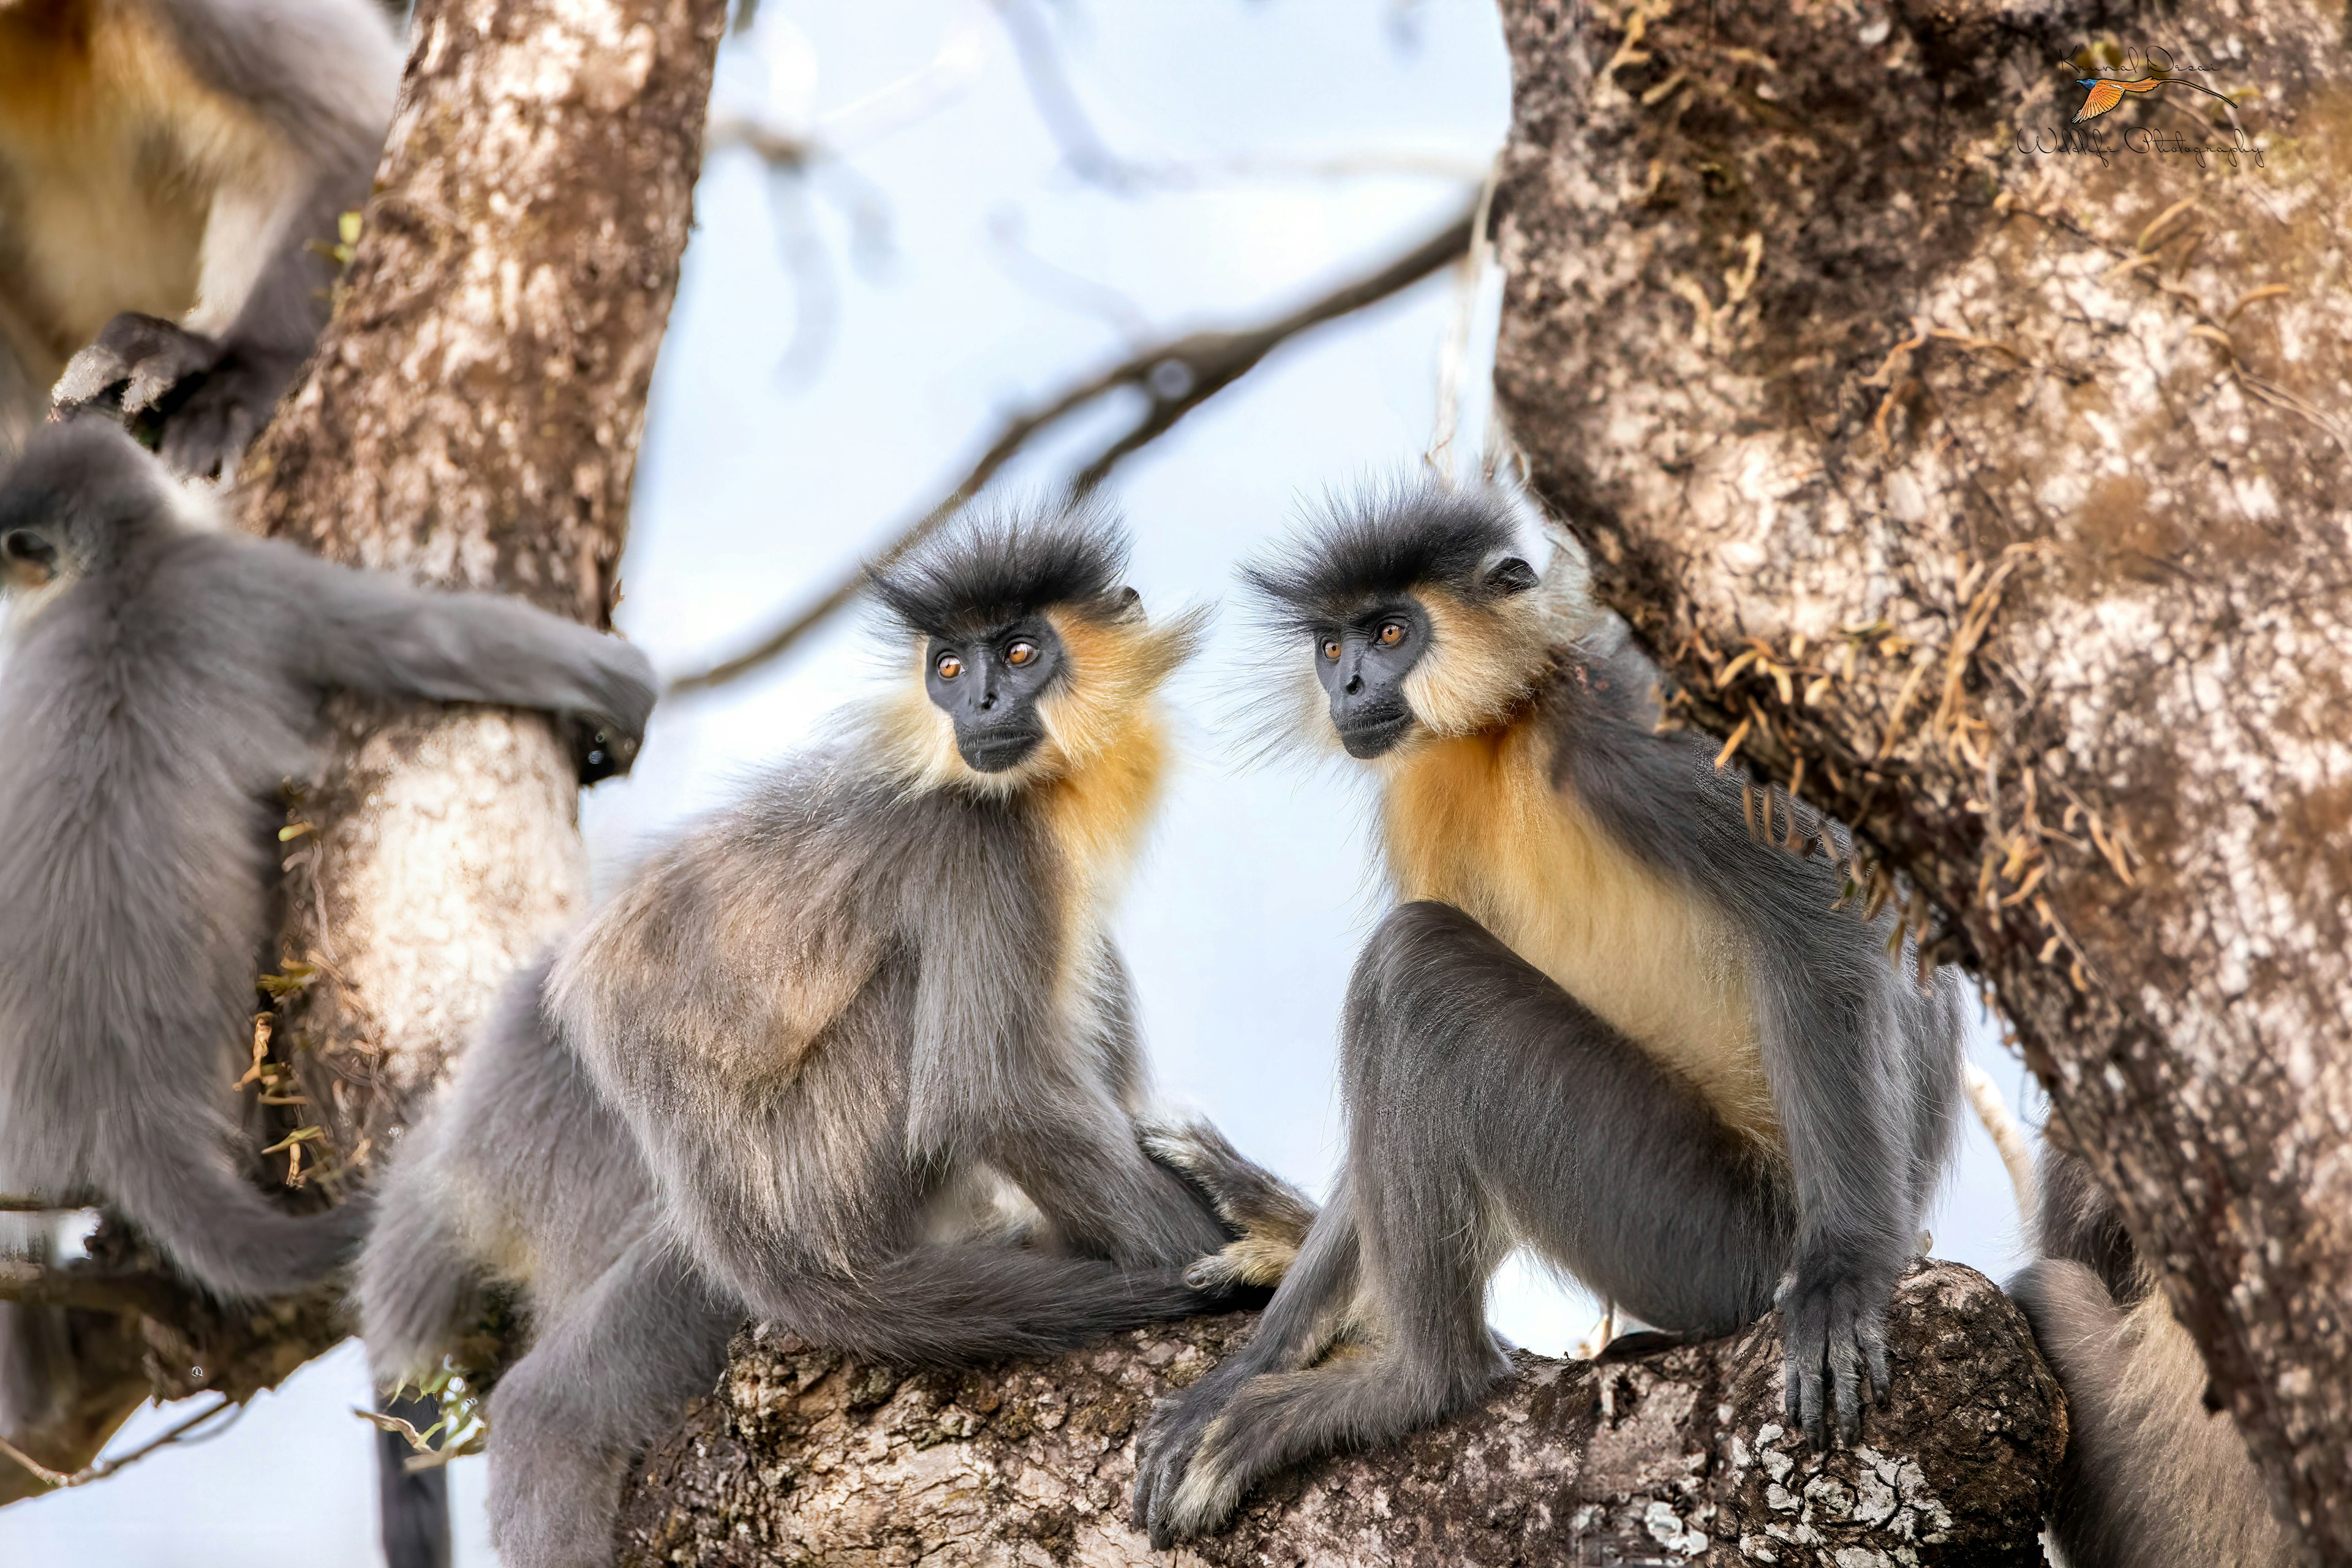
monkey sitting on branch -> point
(856, 1057)
(172, 177)
(164, 680)
(1607, 1020)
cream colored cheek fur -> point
(1479, 665)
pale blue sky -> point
(762, 479)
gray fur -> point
(1488, 1107)
(314, 80)
(848, 1093)
(157, 695)
(2150, 1476)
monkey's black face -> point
(990, 685)
(1362, 663)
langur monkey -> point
(163, 679)
(2150, 1476)
(171, 173)
(1605, 1020)
(855, 1055)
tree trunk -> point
(1985, 473)
(801, 1457)
(471, 421)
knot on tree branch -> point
(801, 1456)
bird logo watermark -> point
(2109, 73)
(2106, 92)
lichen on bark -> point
(802, 1458)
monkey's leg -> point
(1308, 1313)
(1486, 1104)
(601, 1380)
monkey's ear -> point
(22, 544)
(1510, 575)
(1130, 603)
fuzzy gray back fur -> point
(156, 700)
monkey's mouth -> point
(995, 751)
(1372, 737)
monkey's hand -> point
(1266, 1218)
(209, 398)
(605, 740)
(1833, 1330)
(601, 748)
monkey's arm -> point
(1862, 1072)
(366, 632)
(999, 1069)
(312, 82)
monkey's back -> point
(144, 727)
(764, 968)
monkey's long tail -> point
(222, 1233)
(419, 1285)
(953, 1305)
(2150, 1476)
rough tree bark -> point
(1990, 474)
(471, 421)
(800, 1458)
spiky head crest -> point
(1387, 542)
(1461, 553)
(986, 568)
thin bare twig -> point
(1992, 1109)
(23, 1202)
(1050, 89)
(1177, 376)
(105, 1468)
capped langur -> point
(1606, 1020)
(2149, 1475)
(163, 679)
(855, 1055)
(171, 176)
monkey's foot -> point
(1165, 1452)
(208, 398)
(1267, 1217)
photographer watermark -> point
(2118, 73)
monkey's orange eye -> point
(1020, 653)
(1392, 633)
(949, 667)
(1331, 649)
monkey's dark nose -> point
(1355, 684)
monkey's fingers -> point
(141, 357)
(1251, 1200)
(1255, 1260)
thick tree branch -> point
(1175, 377)
(1980, 475)
(1682, 1457)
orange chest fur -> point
(1474, 821)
